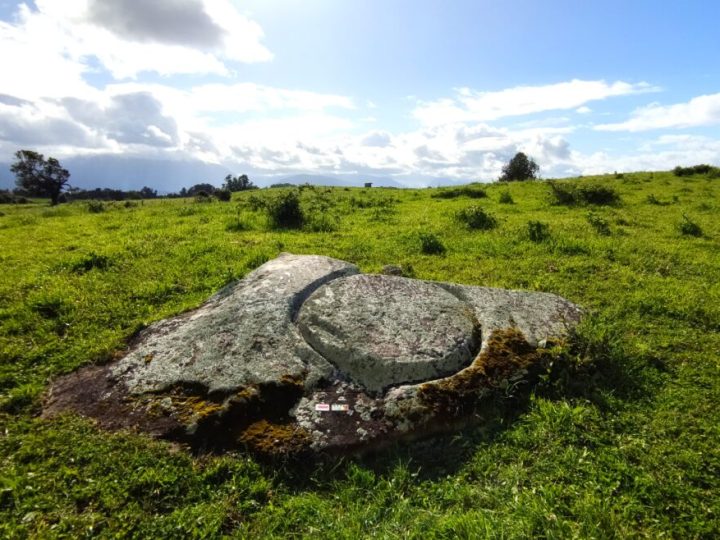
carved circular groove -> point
(385, 330)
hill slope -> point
(619, 441)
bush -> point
(506, 198)
(202, 197)
(95, 207)
(563, 194)
(430, 244)
(599, 195)
(695, 169)
(689, 228)
(599, 223)
(256, 203)
(475, 217)
(8, 197)
(567, 194)
(538, 231)
(223, 195)
(464, 191)
(284, 211)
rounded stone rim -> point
(395, 349)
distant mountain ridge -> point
(339, 180)
(171, 175)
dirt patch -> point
(93, 392)
(186, 414)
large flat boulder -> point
(307, 355)
(242, 336)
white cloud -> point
(583, 110)
(31, 68)
(699, 111)
(126, 37)
(379, 139)
(472, 106)
(245, 97)
(173, 22)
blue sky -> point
(417, 90)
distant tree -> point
(238, 183)
(520, 167)
(208, 189)
(183, 193)
(39, 176)
(148, 193)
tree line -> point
(37, 176)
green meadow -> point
(622, 442)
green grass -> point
(624, 444)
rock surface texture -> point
(308, 355)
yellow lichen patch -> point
(194, 408)
(246, 394)
(292, 380)
(507, 355)
(274, 439)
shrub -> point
(284, 211)
(475, 217)
(223, 195)
(567, 194)
(599, 223)
(430, 244)
(689, 228)
(695, 169)
(538, 231)
(360, 203)
(8, 197)
(202, 197)
(464, 191)
(562, 194)
(506, 198)
(599, 195)
(256, 203)
(95, 207)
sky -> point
(415, 90)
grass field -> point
(627, 444)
